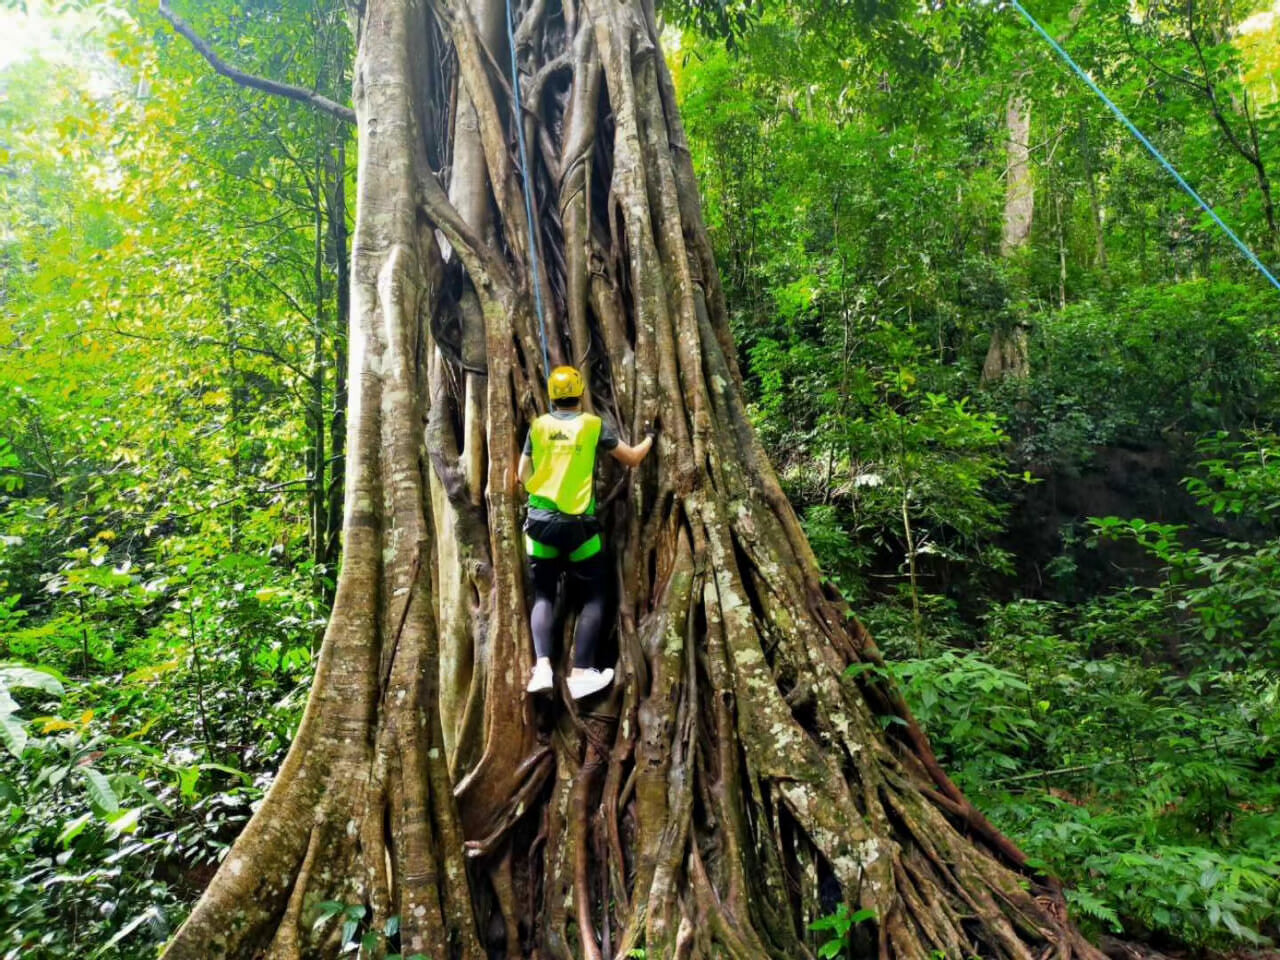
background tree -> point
(1007, 355)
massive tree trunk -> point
(734, 784)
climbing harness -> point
(527, 189)
(1249, 254)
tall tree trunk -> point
(317, 412)
(1019, 190)
(1097, 214)
(733, 781)
(339, 260)
(1007, 353)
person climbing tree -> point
(562, 534)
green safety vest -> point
(564, 462)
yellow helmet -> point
(564, 382)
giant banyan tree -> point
(736, 783)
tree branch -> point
(286, 90)
(258, 491)
(1211, 92)
(1151, 62)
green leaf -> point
(327, 909)
(13, 733)
(151, 913)
(31, 679)
(223, 768)
(188, 777)
(855, 670)
(73, 828)
(134, 784)
(349, 928)
(100, 792)
(152, 672)
(124, 822)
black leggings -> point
(586, 583)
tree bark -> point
(733, 785)
(1019, 191)
(1007, 353)
(1097, 214)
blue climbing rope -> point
(527, 189)
(1252, 257)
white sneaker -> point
(541, 680)
(583, 683)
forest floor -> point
(1129, 950)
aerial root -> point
(375, 855)
(943, 871)
(934, 916)
(686, 936)
(616, 795)
(533, 775)
(583, 786)
(502, 876)
(737, 937)
(285, 945)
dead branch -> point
(274, 87)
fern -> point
(1092, 906)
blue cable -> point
(528, 192)
(1253, 258)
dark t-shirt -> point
(608, 439)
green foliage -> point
(172, 367)
(1159, 364)
(356, 934)
(1129, 743)
(897, 470)
(1127, 878)
(842, 557)
(12, 729)
(1219, 593)
(838, 926)
(1153, 793)
(726, 19)
(113, 823)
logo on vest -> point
(559, 435)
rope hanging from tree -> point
(527, 189)
(1151, 147)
